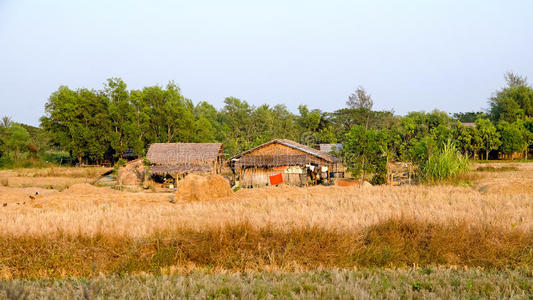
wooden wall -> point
(261, 177)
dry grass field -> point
(501, 199)
(483, 220)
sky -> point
(409, 55)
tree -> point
(360, 99)
(119, 111)
(78, 122)
(17, 141)
(204, 131)
(514, 102)
(462, 138)
(467, 117)
(362, 149)
(6, 122)
(527, 132)
(512, 138)
(489, 137)
(237, 124)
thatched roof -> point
(308, 155)
(183, 153)
(181, 169)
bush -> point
(378, 179)
(446, 163)
(57, 157)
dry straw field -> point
(483, 220)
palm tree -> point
(6, 122)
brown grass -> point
(86, 230)
(500, 199)
(58, 178)
(393, 243)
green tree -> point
(78, 122)
(512, 138)
(119, 112)
(237, 125)
(467, 117)
(462, 138)
(360, 99)
(488, 135)
(514, 102)
(17, 141)
(362, 149)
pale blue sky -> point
(410, 55)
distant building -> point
(330, 148)
(286, 160)
(469, 124)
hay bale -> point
(202, 188)
(131, 174)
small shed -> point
(297, 164)
(179, 159)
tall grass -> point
(446, 163)
(393, 243)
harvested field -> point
(92, 231)
(501, 199)
(56, 178)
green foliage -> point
(364, 151)
(513, 137)
(514, 102)
(489, 138)
(446, 163)
(99, 126)
(467, 117)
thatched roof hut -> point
(281, 152)
(181, 158)
(288, 159)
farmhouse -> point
(281, 161)
(175, 160)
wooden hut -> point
(175, 160)
(297, 164)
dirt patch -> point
(202, 188)
(8, 195)
(351, 182)
(87, 189)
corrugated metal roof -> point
(328, 148)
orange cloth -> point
(276, 179)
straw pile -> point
(202, 188)
(131, 174)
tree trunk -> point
(486, 154)
(362, 173)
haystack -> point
(202, 188)
(131, 174)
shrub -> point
(120, 163)
(446, 163)
(378, 179)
